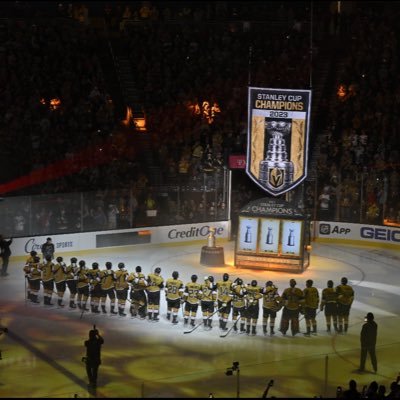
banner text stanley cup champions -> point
(277, 138)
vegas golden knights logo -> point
(277, 140)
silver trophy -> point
(276, 171)
(290, 241)
(247, 235)
(269, 237)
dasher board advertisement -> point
(248, 234)
(277, 138)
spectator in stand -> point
(352, 393)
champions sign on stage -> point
(277, 144)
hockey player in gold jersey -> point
(35, 276)
(71, 280)
(208, 298)
(46, 268)
(292, 298)
(174, 293)
(59, 279)
(82, 285)
(271, 305)
(94, 276)
(253, 296)
(239, 304)
(138, 293)
(155, 284)
(329, 306)
(224, 297)
(310, 306)
(27, 271)
(191, 296)
(121, 287)
(345, 299)
(107, 288)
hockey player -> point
(121, 288)
(345, 299)
(208, 298)
(224, 296)
(94, 276)
(155, 284)
(310, 306)
(71, 279)
(35, 277)
(82, 285)
(292, 298)
(27, 271)
(138, 293)
(174, 292)
(271, 305)
(59, 279)
(48, 280)
(253, 296)
(107, 288)
(329, 306)
(239, 304)
(191, 297)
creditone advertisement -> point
(383, 236)
(76, 242)
(277, 138)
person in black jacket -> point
(368, 336)
(48, 249)
(5, 254)
(93, 355)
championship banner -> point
(277, 138)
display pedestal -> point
(212, 255)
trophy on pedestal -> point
(211, 238)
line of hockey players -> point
(222, 297)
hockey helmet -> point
(33, 253)
(293, 283)
(194, 278)
(82, 263)
(344, 281)
(36, 259)
(157, 270)
(95, 265)
(175, 274)
(138, 268)
(330, 283)
(59, 259)
(239, 281)
(225, 277)
(121, 265)
(74, 260)
(269, 283)
(48, 258)
(108, 265)
(253, 282)
(309, 282)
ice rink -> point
(41, 353)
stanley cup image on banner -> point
(277, 138)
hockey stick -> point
(201, 323)
(230, 329)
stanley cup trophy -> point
(276, 171)
(211, 254)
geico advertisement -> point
(371, 233)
